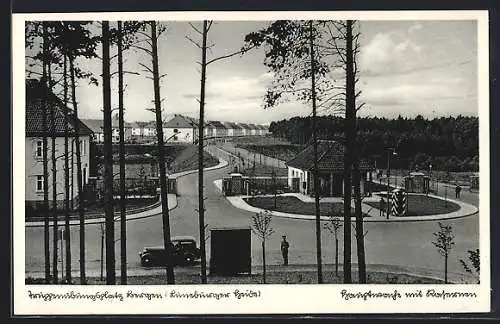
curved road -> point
(406, 244)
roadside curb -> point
(138, 215)
(464, 211)
(153, 210)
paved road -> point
(401, 244)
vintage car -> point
(184, 252)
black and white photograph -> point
(259, 160)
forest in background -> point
(448, 143)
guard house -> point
(474, 182)
(330, 167)
(417, 182)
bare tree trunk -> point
(161, 156)
(108, 159)
(123, 216)
(348, 157)
(54, 186)
(352, 142)
(45, 158)
(66, 173)
(201, 204)
(446, 268)
(79, 180)
(360, 237)
(315, 145)
(263, 261)
(336, 256)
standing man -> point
(382, 206)
(457, 191)
(284, 250)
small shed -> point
(230, 251)
(417, 182)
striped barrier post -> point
(398, 202)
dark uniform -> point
(284, 250)
(383, 206)
(457, 191)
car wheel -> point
(189, 259)
(146, 261)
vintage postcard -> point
(251, 163)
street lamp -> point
(389, 150)
(430, 178)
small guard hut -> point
(417, 182)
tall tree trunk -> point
(446, 268)
(360, 237)
(79, 180)
(348, 156)
(54, 185)
(201, 204)
(263, 261)
(108, 159)
(315, 145)
(336, 256)
(351, 94)
(161, 156)
(123, 216)
(66, 173)
(46, 229)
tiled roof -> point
(245, 126)
(228, 125)
(94, 124)
(180, 121)
(115, 122)
(140, 124)
(34, 113)
(330, 158)
(217, 124)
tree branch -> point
(196, 29)
(192, 41)
(241, 51)
(148, 69)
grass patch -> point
(178, 158)
(272, 277)
(376, 187)
(261, 170)
(92, 210)
(284, 152)
(187, 159)
(293, 205)
(421, 205)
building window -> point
(39, 148)
(82, 148)
(39, 183)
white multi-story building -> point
(34, 178)
(180, 129)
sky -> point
(407, 68)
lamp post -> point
(389, 150)
(430, 178)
